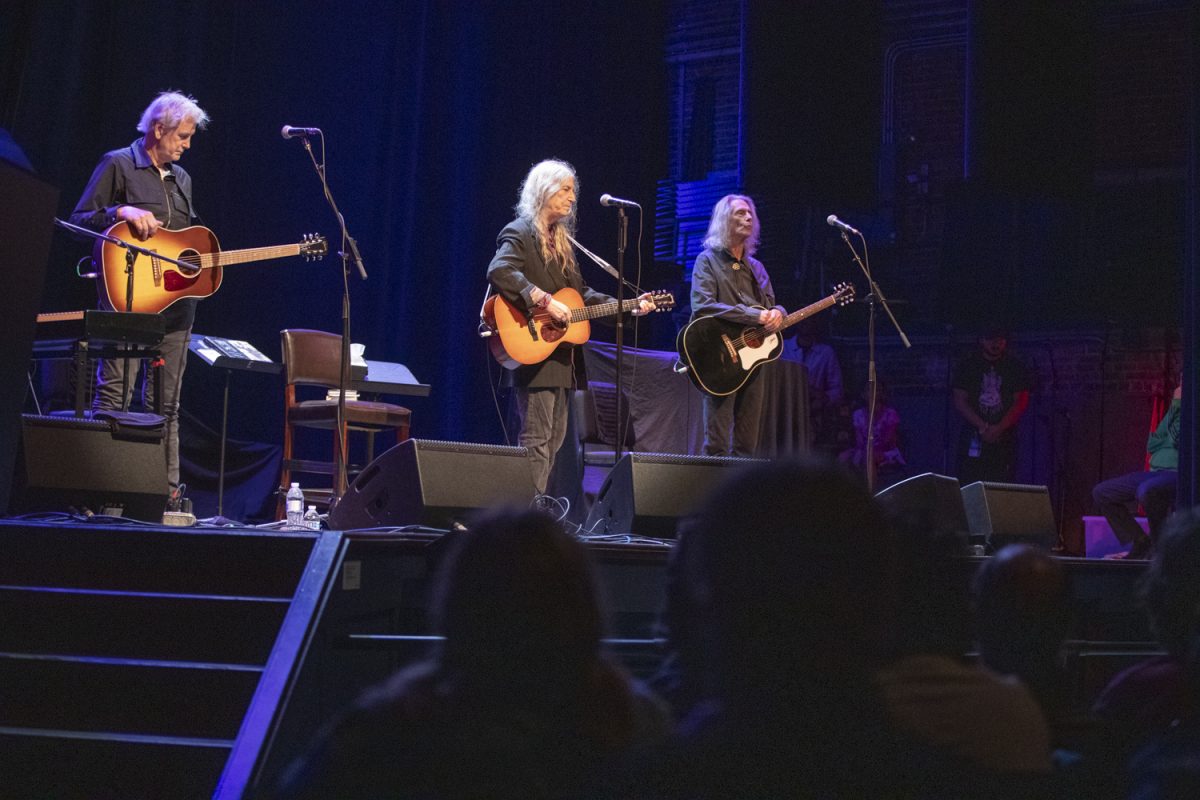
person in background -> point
(781, 633)
(991, 393)
(1157, 702)
(1023, 614)
(1153, 489)
(820, 361)
(890, 465)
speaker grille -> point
(436, 445)
(675, 458)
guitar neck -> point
(799, 314)
(223, 258)
(758, 332)
(602, 310)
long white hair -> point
(171, 109)
(721, 225)
(544, 179)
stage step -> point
(129, 656)
(115, 766)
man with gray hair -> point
(143, 186)
(728, 282)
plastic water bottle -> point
(295, 508)
(312, 520)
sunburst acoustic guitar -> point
(157, 283)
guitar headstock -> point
(663, 301)
(313, 247)
(843, 293)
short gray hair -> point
(171, 108)
(721, 224)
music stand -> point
(229, 355)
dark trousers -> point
(110, 378)
(997, 461)
(1154, 491)
(542, 416)
(732, 423)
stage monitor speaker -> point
(1008, 513)
(927, 499)
(68, 463)
(432, 483)
(647, 493)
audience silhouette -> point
(518, 701)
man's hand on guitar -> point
(142, 223)
(645, 305)
(771, 319)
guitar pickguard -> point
(755, 352)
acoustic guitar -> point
(518, 339)
(720, 355)
(157, 284)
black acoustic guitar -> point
(720, 355)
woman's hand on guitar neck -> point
(142, 223)
(645, 305)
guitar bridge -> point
(532, 328)
(729, 346)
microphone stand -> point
(132, 251)
(874, 293)
(349, 251)
(622, 235)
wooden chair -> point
(313, 358)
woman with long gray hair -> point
(534, 260)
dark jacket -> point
(719, 289)
(127, 177)
(516, 269)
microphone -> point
(288, 132)
(837, 223)
(609, 200)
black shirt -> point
(127, 177)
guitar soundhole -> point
(552, 332)
(753, 339)
(177, 278)
(188, 256)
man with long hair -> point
(533, 260)
(727, 281)
(143, 186)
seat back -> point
(599, 403)
(311, 357)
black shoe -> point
(1140, 551)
